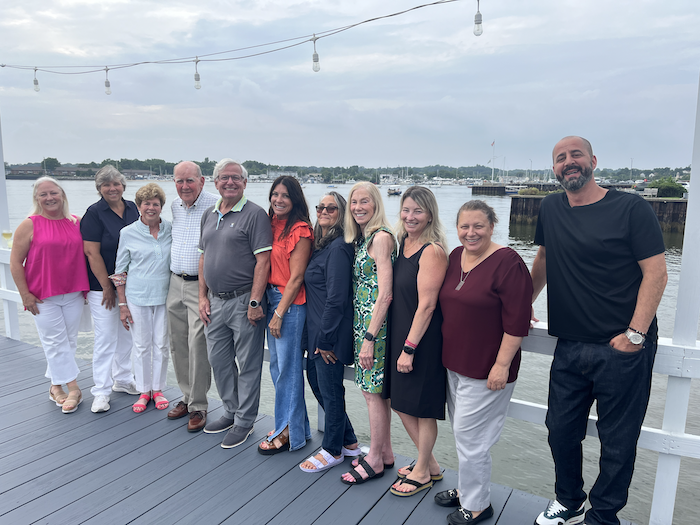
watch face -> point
(634, 337)
(254, 303)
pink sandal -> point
(163, 403)
(140, 407)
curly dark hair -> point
(300, 210)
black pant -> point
(620, 382)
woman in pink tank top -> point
(48, 267)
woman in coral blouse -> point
(286, 314)
(48, 267)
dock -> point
(119, 467)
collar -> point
(145, 229)
(238, 207)
(194, 204)
(104, 205)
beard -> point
(579, 182)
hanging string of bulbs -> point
(251, 51)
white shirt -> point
(186, 228)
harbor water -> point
(521, 459)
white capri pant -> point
(111, 356)
(151, 345)
(478, 415)
(57, 323)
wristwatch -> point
(254, 304)
(370, 337)
(635, 336)
(408, 350)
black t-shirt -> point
(593, 276)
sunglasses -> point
(329, 209)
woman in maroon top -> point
(485, 317)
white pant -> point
(57, 322)
(111, 356)
(478, 415)
(150, 351)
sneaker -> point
(463, 516)
(236, 436)
(127, 388)
(100, 404)
(221, 424)
(558, 514)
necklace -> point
(462, 276)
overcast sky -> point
(417, 89)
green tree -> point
(668, 188)
(51, 163)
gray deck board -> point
(119, 467)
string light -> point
(197, 83)
(478, 26)
(314, 58)
(281, 45)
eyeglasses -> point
(234, 178)
(329, 209)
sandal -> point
(402, 475)
(359, 480)
(139, 407)
(417, 484)
(280, 444)
(356, 462)
(70, 404)
(59, 397)
(161, 404)
(320, 466)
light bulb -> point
(316, 64)
(197, 83)
(478, 26)
(108, 91)
(36, 85)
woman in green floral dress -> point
(366, 225)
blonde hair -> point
(148, 192)
(434, 233)
(353, 232)
(36, 207)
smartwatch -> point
(635, 337)
(370, 337)
(408, 350)
(254, 304)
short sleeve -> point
(300, 230)
(91, 227)
(646, 238)
(261, 232)
(514, 286)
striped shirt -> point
(186, 229)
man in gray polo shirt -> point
(188, 346)
(235, 245)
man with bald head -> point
(188, 345)
(601, 256)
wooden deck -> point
(119, 467)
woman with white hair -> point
(48, 267)
(100, 227)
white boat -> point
(513, 190)
(393, 190)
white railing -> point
(680, 363)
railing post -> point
(684, 333)
(9, 307)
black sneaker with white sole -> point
(558, 514)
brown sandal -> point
(58, 397)
(277, 445)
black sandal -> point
(359, 480)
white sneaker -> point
(100, 404)
(127, 388)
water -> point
(521, 459)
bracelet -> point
(410, 344)
(122, 304)
(278, 315)
(638, 332)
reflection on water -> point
(521, 459)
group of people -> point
(423, 327)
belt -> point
(188, 277)
(225, 296)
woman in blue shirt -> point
(142, 278)
(100, 227)
(328, 281)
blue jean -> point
(620, 382)
(287, 372)
(326, 382)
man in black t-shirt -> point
(602, 257)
